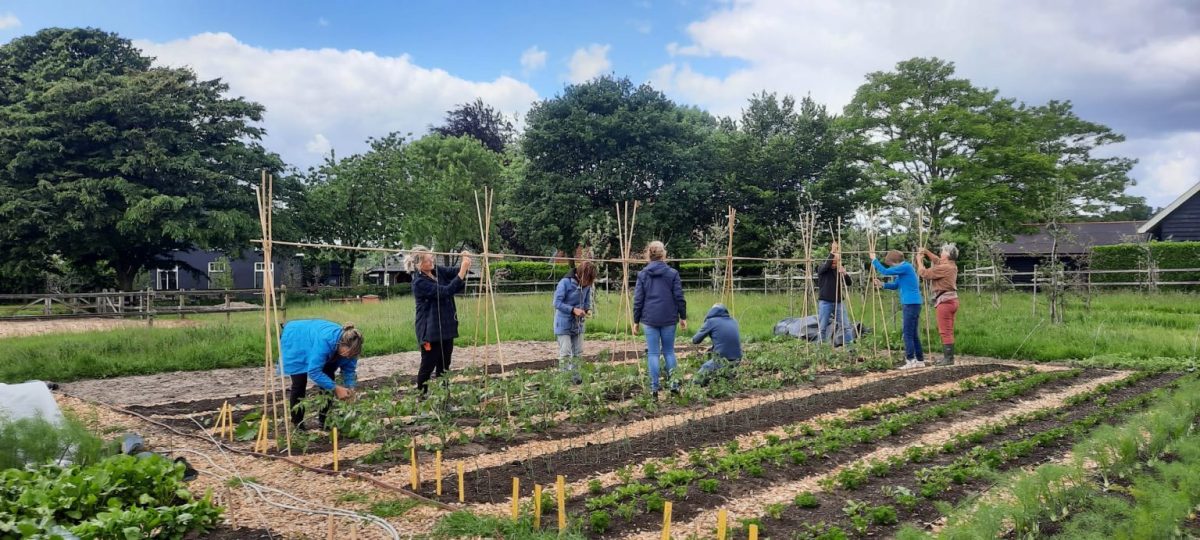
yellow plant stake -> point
(437, 465)
(335, 449)
(462, 496)
(416, 478)
(561, 488)
(666, 535)
(219, 424)
(537, 506)
(516, 497)
(753, 532)
(722, 517)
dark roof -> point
(1162, 214)
(395, 263)
(1078, 239)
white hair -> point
(951, 250)
(412, 261)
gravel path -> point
(228, 383)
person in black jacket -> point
(434, 288)
(832, 284)
(658, 305)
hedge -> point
(1166, 255)
(530, 271)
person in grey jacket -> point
(727, 343)
(658, 305)
(573, 299)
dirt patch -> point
(494, 484)
(10, 329)
(218, 385)
(925, 512)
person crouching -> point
(727, 344)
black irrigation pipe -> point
(285, 459)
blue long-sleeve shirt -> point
(906, 281)
(306, 346)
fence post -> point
(227, 314)
(1035, 279)
(46, 305)
(181, 302)
(283, 300)
(149, 307)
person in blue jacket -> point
(727, 343)
(315, 349)
(434, 288)
(572, 307)
(658, 305)
(910, 299)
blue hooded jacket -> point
(568, 296)
(307, 345)
(906, 281)
(658, 296)
(726, 338)
(437, 316)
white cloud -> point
(334, 97)
(318, 145)
(533, 59)
(8, 20)
(588, 62)
(1099, 53)
(1168, 166)
(322, 21)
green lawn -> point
(1119, 327)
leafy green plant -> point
(806, 499)
(708, 485)
(774, 510)
(595, 487)
(394, 507)
(882, 515)
(36, 441)
(599, 521)
(655, 503)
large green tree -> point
(604, 142)
(963, 157)
(110, 163)
(780, 160)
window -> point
(166, 280)
(258, 273)
(218, 267)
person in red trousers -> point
(942, 275)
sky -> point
(332, 74)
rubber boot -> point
(947, 355)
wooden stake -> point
(722, 516)
(561, 489)
(753, 532)
(666, 529)
(516, 498)
(537, 506)
(335, 449)
(353, 530)
(415, 475)
(437, 467)
(331, 536)
(462, 495)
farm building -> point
(1026, 251)
(199, 269)
(1179, 221)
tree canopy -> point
(110, 163)
(481, 122)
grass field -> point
(1118, 327)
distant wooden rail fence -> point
(147, 304)
(987, 277)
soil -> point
(494, 484)
(734, 488)
(227, 533)
(218, 385)
(925, 513)
(10, 329)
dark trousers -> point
(912, 341)
(300, 389)
(434, 362)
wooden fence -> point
(146, 305)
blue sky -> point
(332, 74)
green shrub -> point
(883, 515)
(35, 441)
(529, 270)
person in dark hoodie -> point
(727, 343)
(832, 284)
(658, 305)
(434, 288)
(572, 306)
